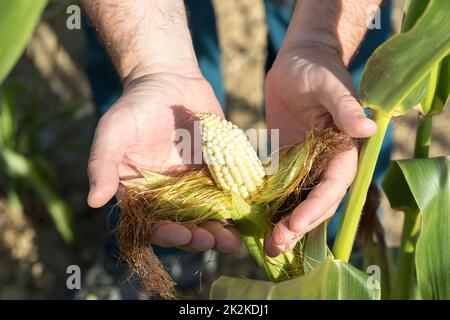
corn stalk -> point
(407, 63)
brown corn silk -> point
(193, 198)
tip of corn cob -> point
(230, 157)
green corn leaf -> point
(392, 74)
(397, 190)
(14, 202)
(427, 105)
(18, 166)
(405, 60)
(422, 96)
(416, 96)
(443, 89)
(424, 184)
(330, 280)
(412, 10)
(18, 20)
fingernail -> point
(277, 238)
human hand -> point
(309, 87)
(137, 132)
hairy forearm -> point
(339, 24)
(144, 36)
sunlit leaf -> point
(332, 279)
(426, 105)
(425, 184)
(397, 67)
(412, 10)
(443, 89)
(7, 118)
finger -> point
(289, 245)
(336, 180)
(227, 239)
(103, 166)
(320, 204)
(347, 113)
(327, 215)
(272, 249)
(168, 234)
(290, 237)
(201, 240)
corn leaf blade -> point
(442, 98)
(405, 60)
(18, 166)
(331, 280)
(18, 20)
(425, 184)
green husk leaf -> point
(316, 249)
(254, 225)
(193, 198)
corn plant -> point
(236, 187)
(24, 165)
(410, 70)
(23, 162)
(18, 19)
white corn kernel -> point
(232, 161)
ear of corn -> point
(234, 187)
(230, 157)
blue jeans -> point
(106, 86)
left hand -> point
(309, 87)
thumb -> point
(103, 167)
(347, 113)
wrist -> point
(339, 25)
(152, 63)
(143, 36)
(168, 51)
(319, 41)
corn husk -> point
(194, 197)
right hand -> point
(137, 133)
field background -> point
(33, 259)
